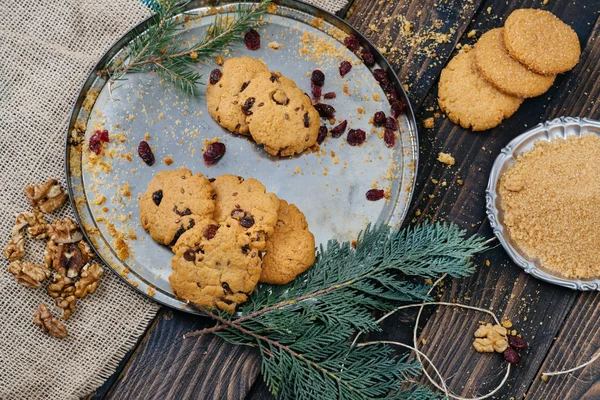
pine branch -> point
(160, 48)
(303, 329)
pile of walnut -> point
(68, 259)
(495, 338)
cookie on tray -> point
(290, 249)
(174, 202)
(224, 95)
(541, 41)
(214, 266)
(280, 116)
(245, 203)
(468, 99)
(503, 71)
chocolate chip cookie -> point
(290, 249)
(245, 203)
(214, 266)
(174, 202)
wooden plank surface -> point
(166, 366)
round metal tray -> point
(329, 186)
(557, 128)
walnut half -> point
(64, 231)
(63, 290)
(15, 248)
(49, 324)
(29, 274)
(47, 197)
(490, 338)
(90, 278)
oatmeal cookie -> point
(225, 97)
(468, 99)
(280, 116)
(214, 266)
(174, 202)
(504, 72)
(290, 249)
(541, 41)
(245, 203)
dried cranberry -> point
(248, 105)
(516, 342)
(317, 77)
(375, 194)
(210, 231)
(247, 221)
(391, 92)
(329, 95)
(145, 153)
(214, 153)
(511, 356)
(339, 130)
(252, 40)
(96, 140)
(316, 90)
(379, 118)
(356, 137)
(391, 123)
(381, 76)
(397, 108)
(352, 43)
(345, 67)
(306, 120)
(325, 110)
(189, 255)
(368, 58)
(389, 138)
(157, 197)
(215, 76)
(322, 134)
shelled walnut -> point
(47, 197)
(29, 274)
(64, 231)
(67, 258)
(37, 225)
(62, 289)
(15, 248)
(49, 324)
(90, 278)
(490, 338)
(67, 304)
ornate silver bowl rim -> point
(556, 128)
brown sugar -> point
(550, 198)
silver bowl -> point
(557, 128)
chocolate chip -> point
(179, 232)
(244, 86)
(189, 255)
(237, 214)
(210, 231)
(226, 288)
(306, 121)
(183, 213)
(157, 197)
(248, 105)
(191, 223)
(274, 77)
(245, 249)
(247, 221)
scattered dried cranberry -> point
(215, 76)
(397, 108)
(368, 58)
(145, 153)
(322, 134)
(306, 120)
(96, 140)
(391, 92)
(210, 231)
(389, 138)
(516, 342)
(381, 76)
(379, 118)
(157, 197)
(214, 153)
(252, 40)
(189, 255)
(247, 221)
(391, 123)
(339, 130)
(352, 43)
(248, 105)
(316, 90)
(356, 137)
(375, 194)
(511, 356)
(345, 67)
(325, 110)
(317, 77)
(329, 95)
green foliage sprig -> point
(161, 48)
(303, 330)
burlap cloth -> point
(47, 48)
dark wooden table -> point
(560, 324)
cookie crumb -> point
(471, 34)
(168, 161)
(428, 123)
(274, 45)
(446, 158)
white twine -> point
(568, 371)
(419, 354)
